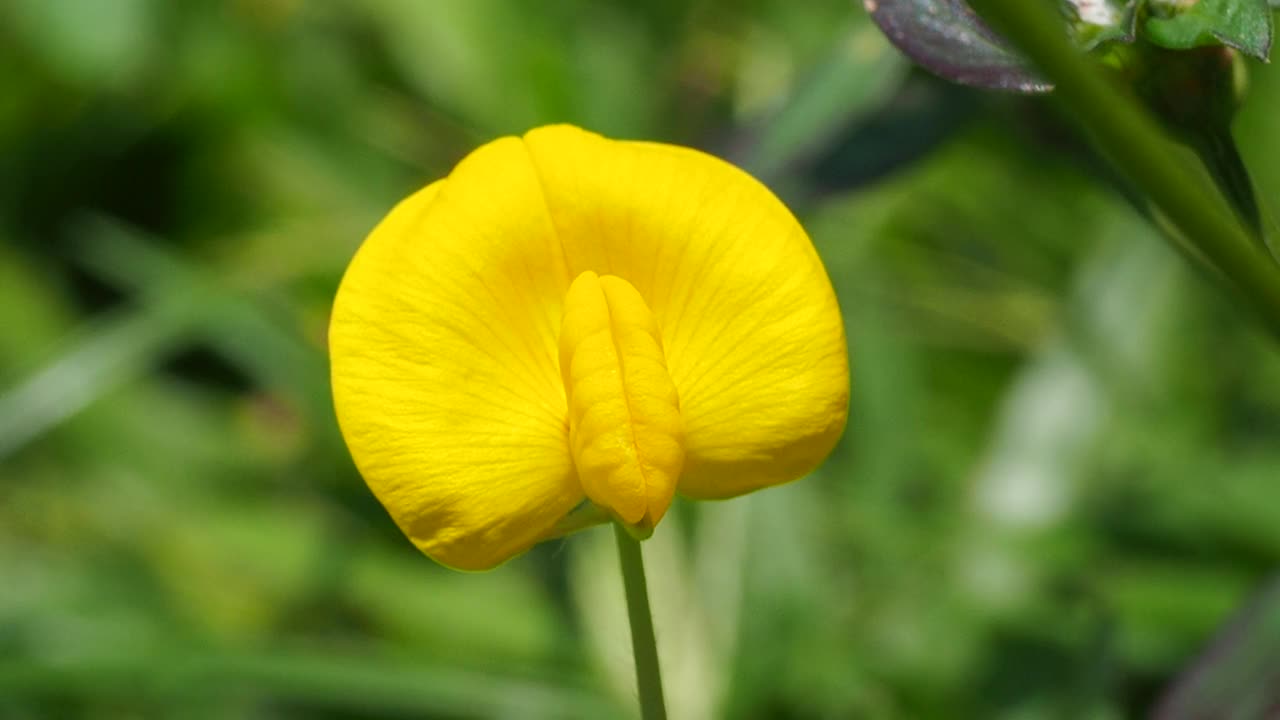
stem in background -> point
(1135, 144)
(643, 644)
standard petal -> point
(444, 343)
(753, 337)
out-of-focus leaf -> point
(499, 616)
(32, 311)
(91, 44)
(1165, 608)
(105, 355)
(237, 325)
(235, 569)
(359, 684)
(854, 81)
(1055, 410)
(1245, 25)
(947, 38)
(1236, 676)
(921, 117)
(494, 65)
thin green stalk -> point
(643, 644)
(1135, 144)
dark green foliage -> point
(1245, 25)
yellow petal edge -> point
(571, 319)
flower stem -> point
(643, 644)
(1135, 144)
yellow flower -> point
(569, 321)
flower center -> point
(625, 431)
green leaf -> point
(1245, 25)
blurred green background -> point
(1060, 475)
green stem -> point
(643, 644)
(1135, 144)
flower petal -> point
(752, 333)
(444, 343)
